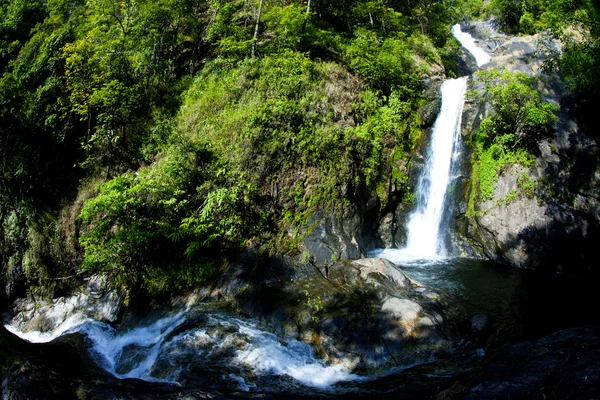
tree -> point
(520, 117)
(577, 25)
(256, 27)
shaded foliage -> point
(199, 149)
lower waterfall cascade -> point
(174, 347)
(425, 233)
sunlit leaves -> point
(511, 133)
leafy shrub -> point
(160, 227)
(510, 135)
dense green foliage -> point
(153, 139)
(577, 26)
(519, 119)
(141, 139)
(518, 16)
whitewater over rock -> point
(425, 239)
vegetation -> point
(519, 119)
(574, 23)
(151, 139)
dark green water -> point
(522, 304)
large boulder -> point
(366, 313)
(54, 316)
(370, 314)
(347, 235)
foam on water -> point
(69, 325)
(294, 358)
(142, 351)
(406, 257)
(108, 345)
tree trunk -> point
(306, 16)
(256, 28)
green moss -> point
(511, 196)
(492, 160)
(506, 138)
(526, 184)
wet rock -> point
(564, 365)
(429, 112)
(334, 326)
(384, 268)
(480, 324)
(486, 33)
(406, 311)
(95, 301)
(371, 308)
(392, 226)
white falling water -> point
(424, 241)
(469, 43)
(424, 225)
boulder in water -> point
(53, 317)
(480, 324)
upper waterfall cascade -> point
(467, 41)
(425, 230)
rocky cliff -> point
(555, 223)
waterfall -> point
(425, 230)
(424, 239)
(467, 41)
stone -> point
(334, 238)
(384, 267)
(30, 314)
(480, 323)
(402, 309)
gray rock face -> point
(333, 238)
(94, 301)
(555, 223)
(504, 219)
(429, 112)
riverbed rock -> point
(375, 315)
(384, 268)
(365, 312)
(405, 311)
(480, 323)
(94, 301)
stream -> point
(210, 348)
